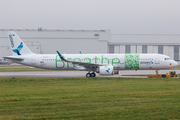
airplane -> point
(104, 64)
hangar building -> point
(162, 44)
(43, 41)
(65, 41)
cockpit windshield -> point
(167, 59)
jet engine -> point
(105, 70)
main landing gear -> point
(157, 71)
(91, 74)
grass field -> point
(21, 69)
(89, 98)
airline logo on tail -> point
(18, 49)
(11, 40)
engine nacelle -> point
(105, 70)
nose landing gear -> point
(91, 74)
(157, 71)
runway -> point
(80, 73)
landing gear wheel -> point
(163, 76)
(93, 74)
(88, 75)
(157, 71)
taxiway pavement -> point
(80, 73)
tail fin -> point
(18, 47)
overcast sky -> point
(121, 16)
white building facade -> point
(65, 41)
(91, 41)
(162, 44)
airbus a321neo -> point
(104, 64)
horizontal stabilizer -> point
(13, 58)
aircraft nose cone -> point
(176, 64)
(173, 64)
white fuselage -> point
(119, 61)
(104, 64)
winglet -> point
(61, 57)
(80, 52)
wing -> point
(86, 65)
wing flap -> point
(86, 65)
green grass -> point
(89, 98)
(22, 69)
